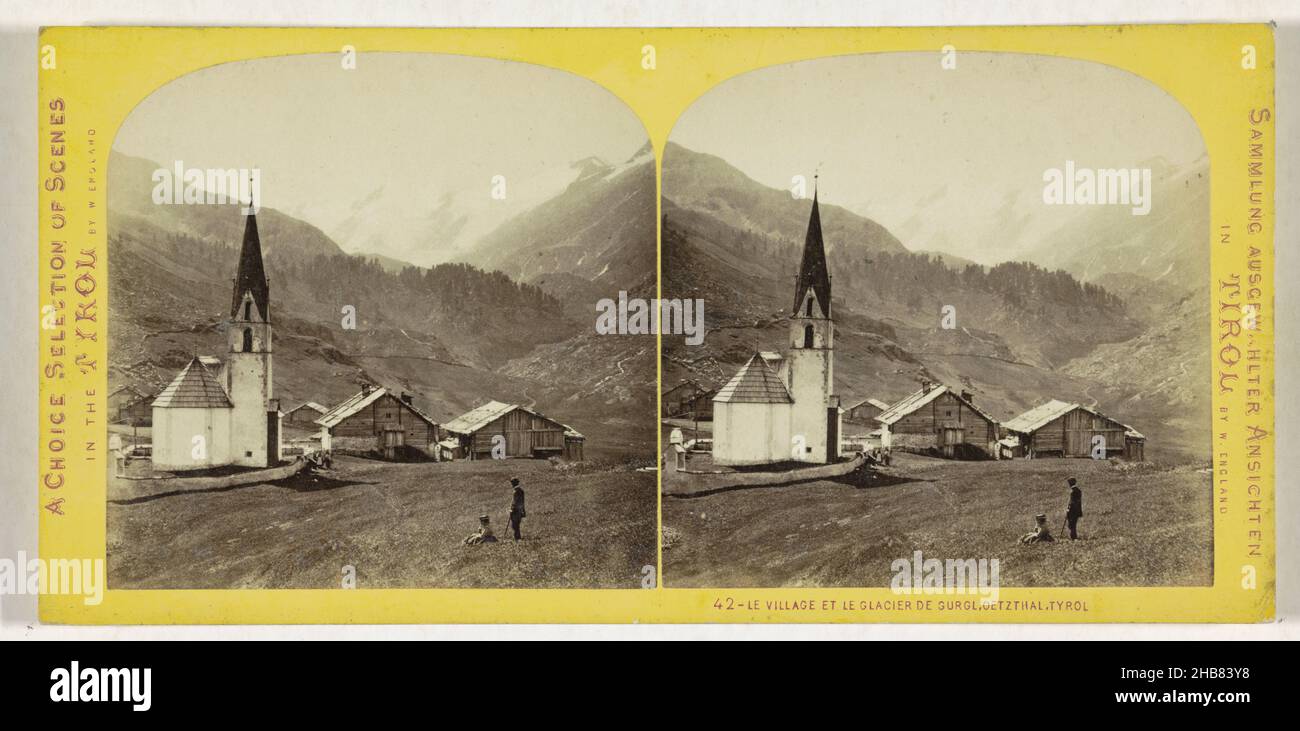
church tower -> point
(255, 426)
(809, 373)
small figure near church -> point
(116, 448)
(676, 442)
(517, 512)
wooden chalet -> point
(700, 406)
(939, 421)
(677, 399)
(1061, 429)
(522, 431)
(865, 412)
(305, 415)
(376, 421)
(127, 405)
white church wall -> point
(810, 378)
(174, 446)
(249, 392)
(747, 434)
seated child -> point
(1040, 533)
(484, 533)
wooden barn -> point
(678, 398)
(1135, 445)
(700, 406)
(937, 420)
(374, 420)
(689, 400)
(117, 399)
(522, 431)
(1061, 429)
(126, 405)
(305, 415)
(865, 412)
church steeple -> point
(813, 273)
(254, 423)
(251, 276)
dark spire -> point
(812, 270)
(251, 277)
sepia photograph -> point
(957, 316)
(351, 339)
(656, 320)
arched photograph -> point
(956, 313)
(352, 345)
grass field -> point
(399, 525)
(1142, 526)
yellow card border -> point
(102, 73)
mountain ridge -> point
(455, 335)
(1023, 333)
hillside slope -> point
(696, 181)
(1023, 334)
(594, 239)
(1169, 246)
(454, 335)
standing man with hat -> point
(1075, 509)
(517, 512)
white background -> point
(20, 20)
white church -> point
(779, 408)
(218, 413)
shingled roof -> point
(312, 405)
(359, 401)
(350, 406)
(754, 383)
(130, 390)
(874, 402)
(909, 404)
(1042, 415)
(923, 397)
(687, 383)
(1039, 416)
(193, 388)
(479, 417)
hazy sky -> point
(373, 151)
(951, 160)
